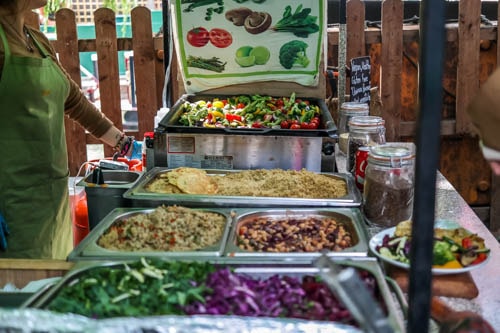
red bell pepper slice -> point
(480, 258)
(232, 117)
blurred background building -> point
(84, 9)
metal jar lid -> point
(354, 108)
(366, 122)
(391, 156)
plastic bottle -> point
(147, 150)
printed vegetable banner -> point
(226, 42)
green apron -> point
(34, 173)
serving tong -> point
(346, 284)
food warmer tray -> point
(88, 249)
(256, 270)
(143, 198)
(351, 218)
(170, 122)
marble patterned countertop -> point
(451, 206)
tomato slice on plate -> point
(220, 38)
(198, 37)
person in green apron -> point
(35, 95)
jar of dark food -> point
(363, 131)
(346, 112)
(389, 185)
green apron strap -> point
(6, 47)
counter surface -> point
(451, 206)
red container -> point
(147, 143)
(361, 160)
(80, 219)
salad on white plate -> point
(456, 249)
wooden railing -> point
(148, 64)
(471, 53)
(394, 47)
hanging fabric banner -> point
(226, 42)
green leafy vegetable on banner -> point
(300, 22)
(216, 6)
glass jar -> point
(389, 185)
(347, 111)
(363, 131)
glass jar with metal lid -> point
(363, 131)
(347, 111)
(389, 185)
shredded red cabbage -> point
(276, 296)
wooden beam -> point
(107, 63)
(70, 60)
(144, 62)
(468, 61)
(391, 64)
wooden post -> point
(144, 62)
(468, 61)
(69, 57)
(356, 44)
(391, 66)
(107, 62)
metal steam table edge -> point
(138, 193)
(88, 248)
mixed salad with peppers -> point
(453, 248)
(254, 111)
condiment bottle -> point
(363, 131)
(389, 185)
(147, 150)
(347, 111)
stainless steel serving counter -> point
(451, 206)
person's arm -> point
(81, 110)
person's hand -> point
(4, 232)
(123, 147)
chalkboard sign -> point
(360, 80)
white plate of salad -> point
(456, 250)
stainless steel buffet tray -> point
(350, 218)
(88, 249)
(144, 198)
(385, 297)
(170, 123)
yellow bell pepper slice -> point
(217, 114)
(218, 104)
